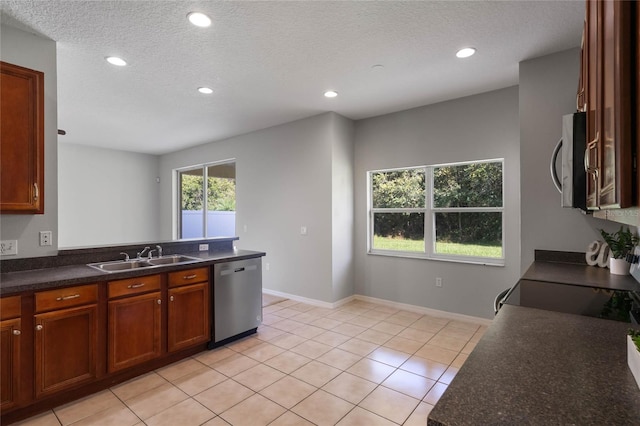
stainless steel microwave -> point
(573, 182)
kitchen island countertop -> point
(537, 367)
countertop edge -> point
(14, 283)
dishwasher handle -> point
(242, 269)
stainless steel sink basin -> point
(124, 265)
(170, 260)
(120, 265)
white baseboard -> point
(396, 305)
(425, 311)
(313, 302)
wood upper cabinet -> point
(66, 338)
(609, 61)
(135, 322)
(21, 140)
(10, 340)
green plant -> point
(635, 336)
(620, 242)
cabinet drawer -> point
(134, 286)
(66, 297)
(188, 276)
(9, 307)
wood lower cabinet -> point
(65, 338)
(188, 316)
(88, 337)
(21, 140)
(188, 309)
(10, 342)
(135, 322)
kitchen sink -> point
(120, 265)
(170, 260)
(124, 265)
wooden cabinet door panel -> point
(21, 140)
(65, 348)
(134, 334)
(10, 363)
(188, 316)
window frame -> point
(430, 212)
(178, 195)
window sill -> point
(423, 256)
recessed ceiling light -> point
(199, 19)
(377, 67)
(114, 60)
(330, 94)
(205, 90)
(466, 52)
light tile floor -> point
(359, 364)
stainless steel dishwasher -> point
(237, 300)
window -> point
(218, 181)
(447, 212)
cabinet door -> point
(65, 348)
(592, 52)
(134, 334)
(189, 316)
(10, 362)
(21, 140)
(615, 105)
(609, 122)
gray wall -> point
(30, 51)
(284, 181)
(472, 128)
(106, 196)
(342, 228)
(548, 91)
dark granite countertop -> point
(537, 367)
(63, 276)
(583, 275)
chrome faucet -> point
(159, 250)
(144, 250)
(150, 254)
(126, 256)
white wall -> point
(284, 181)
(547, 91)
(107, 196)
(30, 51)
(472, 128)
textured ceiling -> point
(269, 62)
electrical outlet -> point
(45, 238)
(203, 247)
(303, 230)
(244, 228)
(8, 247)
(267, 266)
(438, 282)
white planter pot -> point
(633, 359)
(619, 266)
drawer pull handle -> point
(190, 277)
(17, 332)
(73, 296)
(36, 192)
(171, 298)
(39, 327)
(136, 285)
